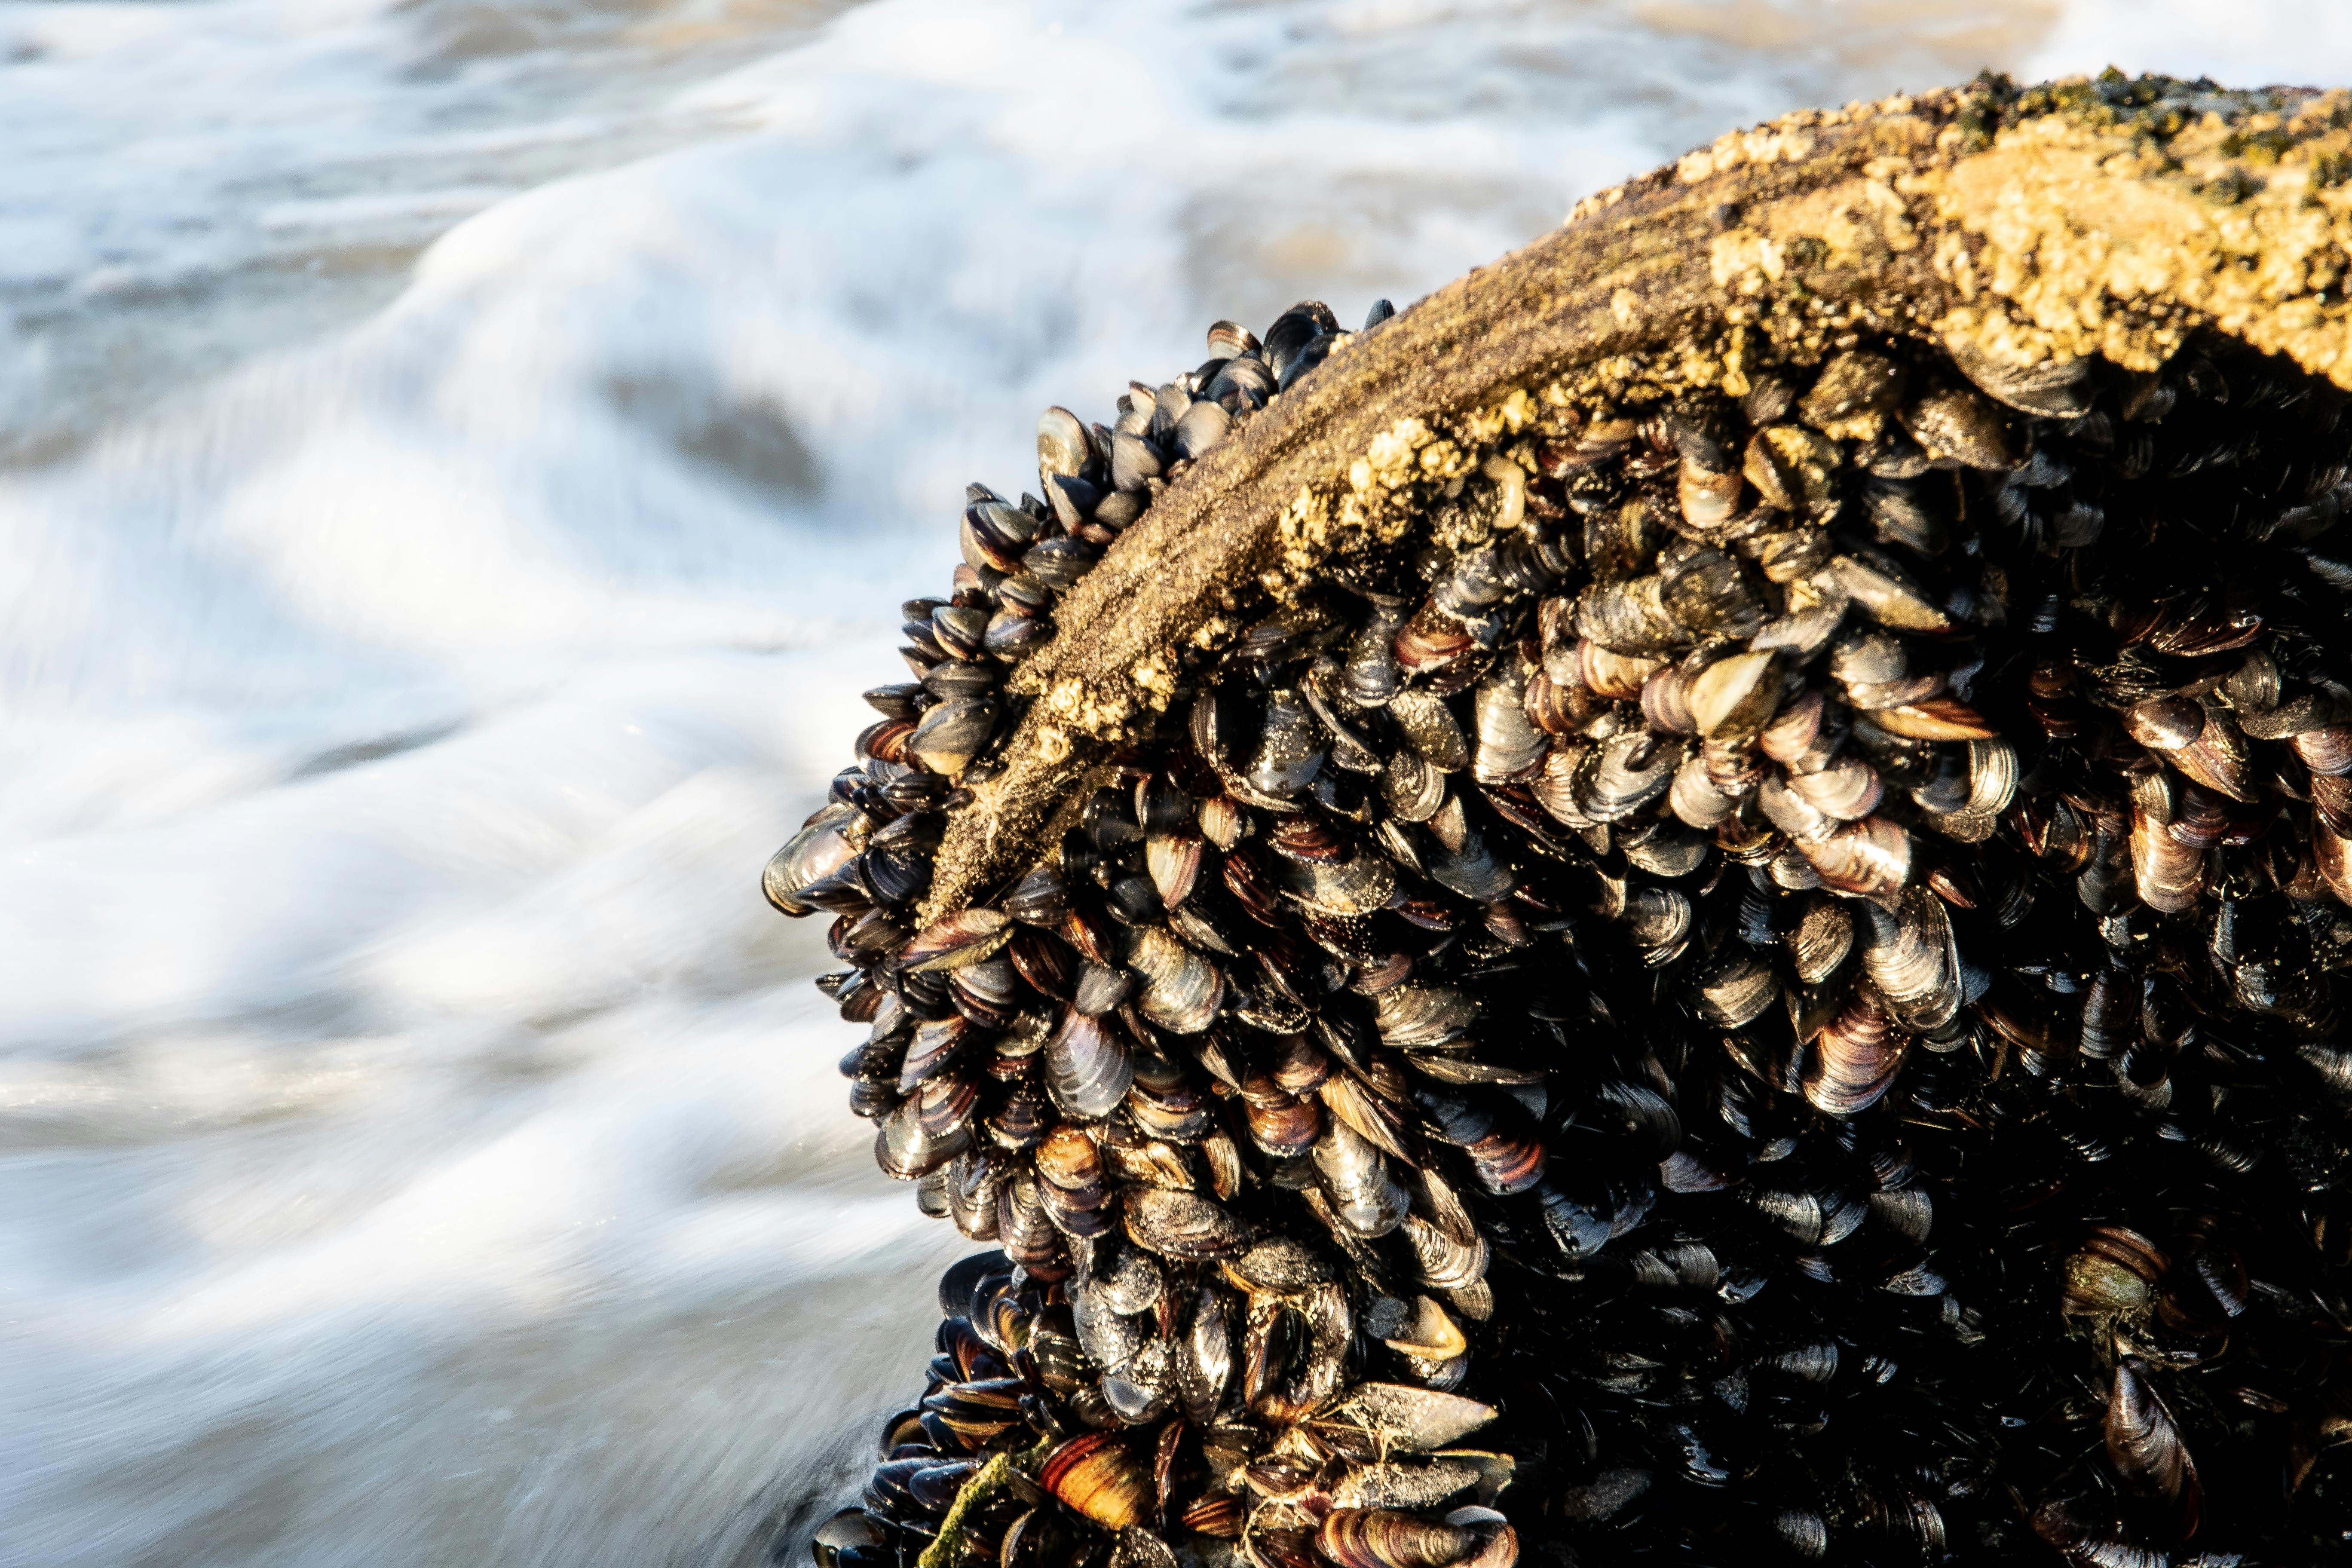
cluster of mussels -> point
(1762, 985)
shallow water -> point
(457, 463)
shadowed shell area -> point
(1757, 979)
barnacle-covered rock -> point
(1734, 956)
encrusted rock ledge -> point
(2031, 231)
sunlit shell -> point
(1422, 1017)
(1509, 741)
(1853, 1061)
(2170, 874)
(1182, 990)
(1792, 731)
(1737, 991)
(1358, 886)
(1366, 1197)
(966, 937)
(833, 835)
(1608, 673)
(1847, 791)
(1937, 719)
(1182, 1225)
(1870, 857)
(1621, 776)
(1099, 1475)
(1821, 940)
(1373, 1418)
(1384, 1538)
(1692, 796)
(1087, 1066)
(1912, 959)
(1734, 699)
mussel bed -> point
(1764, 985)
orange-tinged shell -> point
(1610, 674)
(2116, 1269)
(1939, 719)
(2170, 874)
(1389, 1538)
(1218, 1514)
(1068, 1158)
(1098, 1474)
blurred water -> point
(456, 462)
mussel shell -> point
(1099, 989)
(1364, 882)
(1135, 461)
(1510, 743)
(1821, 939)
(1412, 786)
(1183, 1225)
(1424, 1018)
(2169, 873)
(1884, 592)
(1734, 699)
(1795, 470)
(938, 1045)
(1870, 857)
(1388, 1538)
(1736, 990)
(1936, 719)
(1063, 443)
(1853, 1061)
(1099, 1475)
(1608, 673)
(1857, 381)
(2059, 387)
(1283, 1124)
(994, 537)
(1182, 990)
(833, 836)
(850, 1531)
(1624, 773)
(1692, 796)
(2325, 751)
(1060, 563)
(1088, 1067)
(1373, 1419)
(1200, 429)
(1959, 423)
(2143, 1441)
(2116, 1269)
(966, 937)
(1657, 920)
(1292, 746)
(951, 734)
(963, 677)
(1913, 960)
(907, 1149)
(1848, 790)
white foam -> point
(421, 1144)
